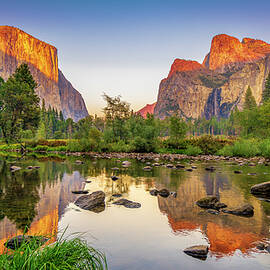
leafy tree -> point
(250, 102)
(266, 90)
(178, 128)
(19, 105)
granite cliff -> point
(215, 87)
(148, 108)
(18, 47)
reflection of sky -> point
(127, 47)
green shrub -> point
(264, 147)
(120, 146)
(193, 150)
(226, 151)
(63, 254)
(142, 145)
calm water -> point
(151, 237)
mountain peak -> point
(184, 65)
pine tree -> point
(250, 102)
(266, 91)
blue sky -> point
(127, 47)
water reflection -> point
(38, 199)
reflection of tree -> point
(20, 194)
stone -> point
(15, 168)
(155, 164)
(164, 193)
(79, 162)
(36, 167)
(189, 170)
(261, 189)
(115, 169)
(211, 169)
(88, 181)
(268, 248)
(80, 191)
(237, 172)
(91, 201)
(18, 47)
(246, 210)
(17, 241)
(180, 166)
(169, 166)
(153, 192)
(208, 202)
(199, 252)
(117, 195)
(127, 203)
(114, 178)
(147, 168)
(126, 163)
(213, 212)
(29, 168)
(261, 246)
(173, 194)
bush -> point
(264, 147)
(209, 145)
(41, 148)
(193, 150)
(142, 145)
(120, 146)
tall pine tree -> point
(266, 91)
(250, 102)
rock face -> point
(149, 108)
(17, 47)
(218, 85)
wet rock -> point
(189, 170)
(267, 249)
(164, 193)
(15, 168)
(36, 167)
(173, 193)
(246, 210)
(179, 166)
(17, 241)
(91, 201)
(261, 189)
(154, 192)
(252, 174)
(114, 178)
(29, 167)
(115, 169)
(237, 172)
(220, 205)
(155, 164)
(79, 162)
(199, 252)
(79, 191)
(261, 246)
(147, 168)
(117, 195)
(210, 169)
(213, 212)
(126, 163)
(169, 166)
(127, 203)
(88, 181)
(194, 167)
(148, 163)
(251, 164)
(208, 202)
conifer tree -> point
(250, 102)
(266, 91)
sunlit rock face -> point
(218, 85)
(17, 47)
(148, 108)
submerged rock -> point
(18, 241)
(261, 189)
(211, 169)
(208, 202)
(246, 210)
(117, 195)
(180, 166)
(127, 203)
(91, 201)
(199, 252)
(189, 170)
(213, 212)
(237, 172)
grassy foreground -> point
(63, 254)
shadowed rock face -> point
(218, 85)
(17, 47)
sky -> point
(127, 47)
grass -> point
(63, 254)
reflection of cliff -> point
(226, 233)
(54, 197)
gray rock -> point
(147, 168)
(15, 168)
(114, 178)
(207, 202)
(199, 252)
(164, 193)
(237, 172)
(79, 162)
(169, 166)
(179, 166)
(261, 189)
(154, 192)
(91, 201)
(127, 203)
(213, 212)
(115, 169)
(246, 210)
(79, 191)
(261, 246)
(211, 169)
(117, 195)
